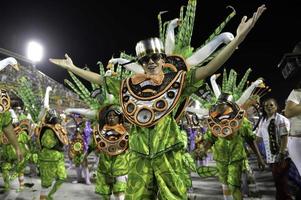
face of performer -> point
(152, 64)
(270, 107)
(112, 118)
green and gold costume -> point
(9, 161)
(113, 159)
(51, 161)
(110, 167)
(230, 154)
(156, 160)
(5, 120)
(9, 158)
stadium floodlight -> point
(34, 51)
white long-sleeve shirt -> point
(282, 127)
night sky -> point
(91, 32)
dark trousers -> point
(280, 175)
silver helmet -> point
(149, 46)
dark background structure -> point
(91, 31)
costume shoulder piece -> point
(23, 125)
(58, 129)
(112, 141)
(225, 118)
(145, 104)
(76, 146)
(4, 101)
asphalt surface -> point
(262, 186)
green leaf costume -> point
(51, 161)
(230, 154)
(156, 154)
(10, 164)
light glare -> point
(34, 51)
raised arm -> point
(254, 147)
(85, 74)
(242, 31)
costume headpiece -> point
(149, 46)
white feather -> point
(91, 114)
(200, 112)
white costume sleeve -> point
(200, 112)
(283, 125)
(46, 98)
(204, 52)
(45, 104)
(91, 114)
(133, 67)
(247, 93)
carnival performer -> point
(273, 129)
(248, 99)
(192, 127)
(244, 97)
(9, 162)
(228, 131)
(150, 101)
(80, 147)
(110, 136)
(5, 116)
(51, 160)
(113, 162)
(110, 143)
(293, 112)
